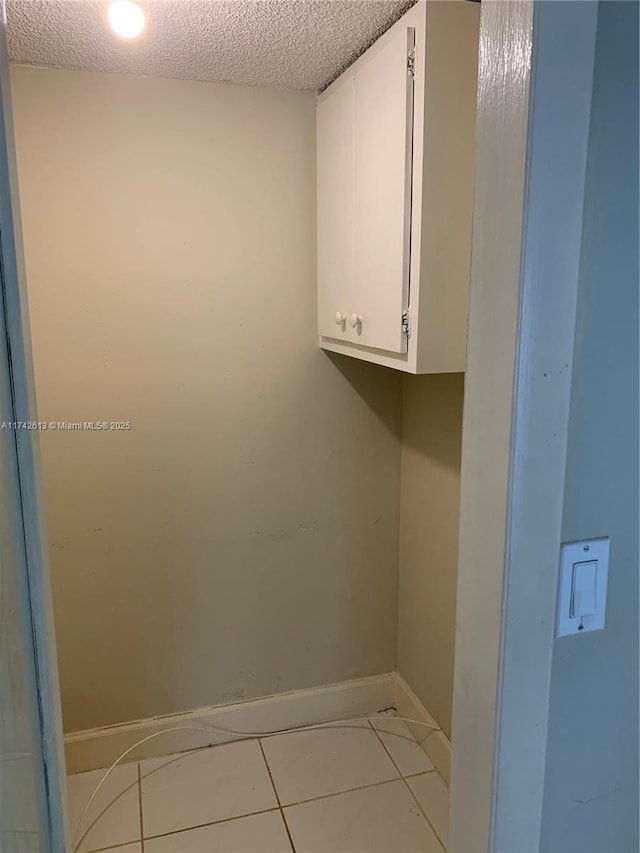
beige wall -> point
(431, 443)
(242, 538)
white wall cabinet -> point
(395, 146)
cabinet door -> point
(382, 158)
(334, 152)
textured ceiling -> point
(292, 44)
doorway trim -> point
(15, 316)
(534, 105)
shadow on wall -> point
(367, 380)
(432, 417)
(430, 502)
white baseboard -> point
(94, 748)
(435, 743)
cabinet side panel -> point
(334, 152)
(448, 172)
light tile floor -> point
(366, 788)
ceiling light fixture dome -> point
(126, 18)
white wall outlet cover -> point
(582, 593)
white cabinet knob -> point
(341, 320)
(356, 321)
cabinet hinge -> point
(411, 63)
(406, 322)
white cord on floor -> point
(76, 842)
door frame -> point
(534, 105)
(15, 316)
(532, 136)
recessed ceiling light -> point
(126, 18)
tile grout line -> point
(277, 796)
(340, 793)
(443, 845)
(200, 826)
(140, 808)
(408, 786)
(421, 773)
(113, 849)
